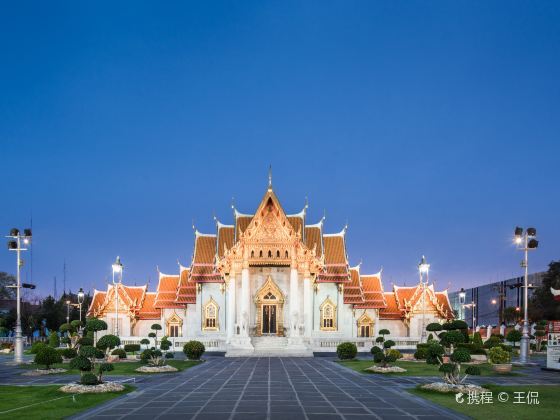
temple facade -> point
(271, 284)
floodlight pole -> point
(423, 269)
(524, 350)
(18, 348)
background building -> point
(490, 300)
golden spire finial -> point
(270, 177)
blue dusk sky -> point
(431, 127)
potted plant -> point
(500, 359)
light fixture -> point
(27, 232)
(117, 265)
(462, 294)
(531, 231)
(532, 244)
(424, 267)
(81, 295)
(14, 232)
(494, 301)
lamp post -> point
(68, 304)
(423, 269)
(81, 296)
(525, 241)
(14, 244)
(462, 295)
(471, 305)
(118, 270)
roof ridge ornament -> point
(270, 177)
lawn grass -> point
(548, 407)
(121, 368)
(415, 368)
(12, 397)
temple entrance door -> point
(269, 319)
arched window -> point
(252, 254)
(260, 254)
(210, 321)
(278, 254)
(286, 254)
(269, 253)
(328, 315)
(174, 326)
(365, 326)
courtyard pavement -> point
(272, 388)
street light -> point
(462, 295)
(471, 305)
(14, 244)
(81, 296)
(68, 304)
(525, 241)
(423, 269)
(118, 270)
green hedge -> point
(346, 351)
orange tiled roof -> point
(313, 239)
(148, 311)
(297, 224)
(373, 292)
(203, 267)
(353, 290)
(241, 223)
(186, 290)
(336, 264)
(391, 311)
(225, 238)
(96, 302)
(443, 301)
(167, 292)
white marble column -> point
(198, 313)
(307, 305)
(231, 306)
(245, 297)
(294, 303)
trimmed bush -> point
(493, 341)
(394, 354)
(384, 331)
(169, 355)
(68, 353)
(477, 340)
(132, 348)
(145, 342)
(76, 324)
(54, 340)
(104, 367)
(473, 370)
(89, 379)
(513, 336)
(64, 328)
(461, 356)
(498, 356)
(346, 351)
(108, 342)
(421, 353)
(47, 356)
(85, 341)
(434, 354)
(195, 349)
(36, 346)
(434, 327)
(119, 352)
(506, 347)
(376, 349)
(88, 351)
(82, 363)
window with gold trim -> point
(210, 322)
(365, 326)
(328, 315)
(174, 326)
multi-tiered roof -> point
(269, 237)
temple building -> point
(271, 284)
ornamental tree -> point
(145, 342)
(54, 340)
(165, 344)
(452, 371)
(103, 367)
(95, 325)
(384, 357)
(47, 356)
(514, 336)
(107, 343)
(66, 328)
(155, 328)
(434, 327)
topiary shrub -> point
(514, 336)
(47, 356)
(345, 351)
(54, 340)
(498, 356)
(434, 354)
(145, 342)
(493, 341)
(104, 367)
(99, 354)
(384, 358)
(132, 348)
(473, 370)
(451, 371)
(76, 324)
(506, 347)
(119, 352)
(36, 346)
(85, 341)
(68, 353)
(82, 363)
(421, 353)
(394, 354)
(108, 342)
(94, 325)
(477, 340)
(66, 328)
(452, 338)
(169, 355)
(195, 349)
(89, 379)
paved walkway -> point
(269, 388)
